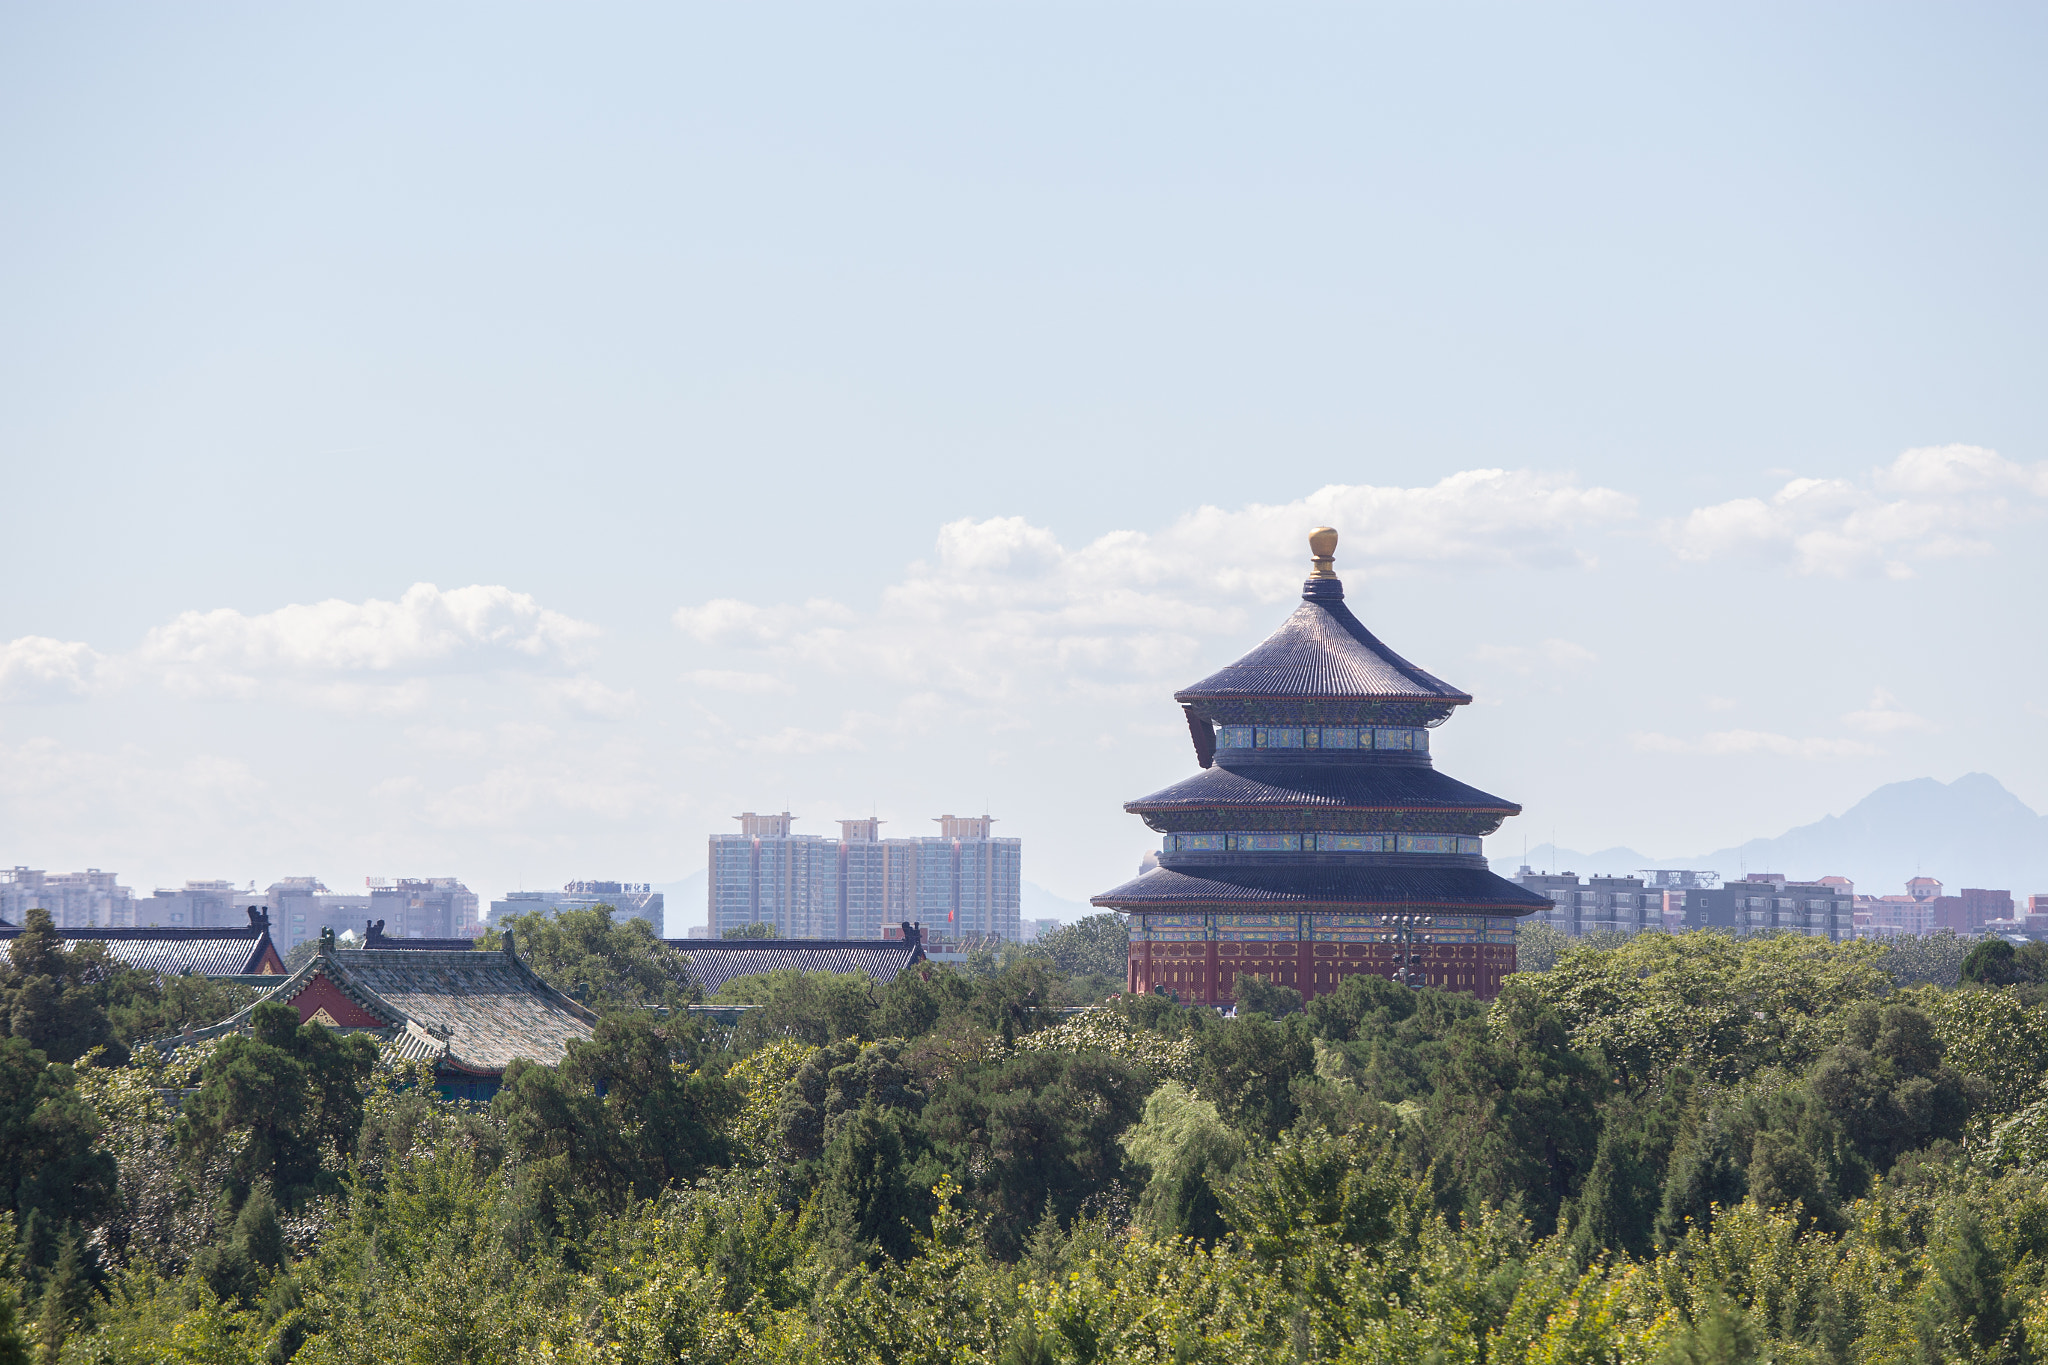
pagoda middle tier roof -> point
(1348, 785)
(1369, 889)
(1323, 651)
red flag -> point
(949, 916)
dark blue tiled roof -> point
(1471, 889)
(175, 952)
(714, 961)
(1323, 651)
(1340, 785)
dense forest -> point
(1667, 1148)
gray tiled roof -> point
(714, 961)
(1472, 890)
(1323, 786)
(462, 1010)
(172, 952)
(1323, 651)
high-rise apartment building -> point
(300, 907)
(424, 907)
(215, 904)
(75, 900)
(814, 886)
(970, 881)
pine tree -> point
(67, 1297)
(1965, 1303)
(13, 1347)
(1720, 1333)
(867, 1202)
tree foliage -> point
(605, 963)
(1618, 1160)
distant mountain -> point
(1608, 862)
(1040, 903)
(1969, 832)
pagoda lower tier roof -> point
(1352, 785)
(1458, 890)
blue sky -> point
(885, 408)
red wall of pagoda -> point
(1206, 972)
(320, 993)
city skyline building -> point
(965, 878)
(424, 907)
(628, 900)
(75, 900)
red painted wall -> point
(320, 993)
(1206, 972)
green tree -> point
(66, 1002)
(758, 929)
(1514, 1115)
(1722, 1007)
(1623, 1193)
(1247, 1066)
(1187, 1151)
(1886, 1084)
(1039, 1128)
(13, 1345)
(606, 964)
(1539, 946)
(836, 1081)
(626, 1115)
(1256, 995)
(50, 1169)
(812, 1007)
(1934, 960)
(278, 1102)
(870, 1203)
(1092, 946)
(914, 1001)
(1966, 1312)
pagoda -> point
(1319, 841)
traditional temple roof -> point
(179, 952)
(714, 961)
(1364, 889)
(374, 938)
(1367, 786)
(464, 1011)
(1324, 652)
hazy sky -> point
(508, 441)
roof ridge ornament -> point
(1322, 548)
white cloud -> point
(1738, 743)
(38, 668)
(225, 652)
(737, 680)
(1550, 656)
(1933, 502)
(1004, 610)
(1885, 716)
(593, 698)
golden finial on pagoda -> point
(1322, 546)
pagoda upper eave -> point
(1401, 795)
